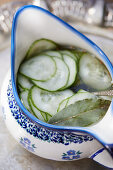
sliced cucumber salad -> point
(47, 78)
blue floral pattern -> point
(39, 132)
(71, 155)
(71, 152)
(27, 144)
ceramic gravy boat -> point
(50, 141)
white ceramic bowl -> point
(50, 141)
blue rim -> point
(25, 111)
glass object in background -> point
(90, 11)
(96, 12)
(7, 11)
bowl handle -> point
(103, 131)
(102, 157)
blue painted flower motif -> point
(22, 143)
(27, 141)
(39, 132)
(30, 148)
(71, 152)
(71, 155)
(66, 157)
(76, 157)
(27, 144)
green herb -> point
(81, 113)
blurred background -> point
(85, 15)
(94, 18)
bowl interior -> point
(32, 23)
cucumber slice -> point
(80, 96)
(24, 82)
(62, 104)
(72, 69)
(67, 52)
(81, 90)
(59, 80)
(20, 88)
(48, 101)
(48, 117)
(39, 68)
(93, 73)
(54, 54)
(24, 99)
(40, 115)
(77, 53)
(40, 45)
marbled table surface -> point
(14, 157)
